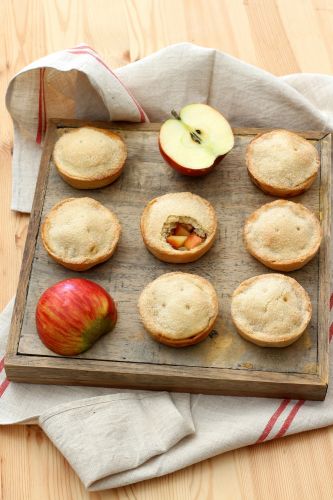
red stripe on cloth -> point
(287, 423)
(330, 333)
(4, 386)
(5, 383)
(44, 104)
(143, 116)
(297, 406)
(83, 46)
(40, 104)
(284, 403)
(272, 420)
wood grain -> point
(267, 33)
(128, 357)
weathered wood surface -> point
(278, 35)
(220, 362)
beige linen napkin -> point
(120, 431)
(117, 437)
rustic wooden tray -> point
(224, 363)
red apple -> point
(72, 314)
(196, 139)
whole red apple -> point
(195, 140)
(72, 314)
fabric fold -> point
(73, 83)
(111, 434)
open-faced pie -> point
(178, 227)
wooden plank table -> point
(281, 36)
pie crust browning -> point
(80, 233)
(283, 235)
(178, 309)
(271, 310)
(89, 157)
(282, 163)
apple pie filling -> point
(183, 233)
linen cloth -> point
(116, 437)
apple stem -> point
(194, 134)
(176, 115)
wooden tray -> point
(224, 363)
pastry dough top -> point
(282, 159)
(178, 305)
(89, 153)
(80, 229)
(271, 307)
(282, 231)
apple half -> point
(196, 139)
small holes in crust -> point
(298, 228)
(188, 306)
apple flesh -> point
(183, 237)
(72, 314)
(194, 141)
(181, 230)
(176, 241)
(192, 241)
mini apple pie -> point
(178, 227)
(88, 157)
(80, 233)
(282, 163)
(271, 310)
(283, 235)
(178, 309)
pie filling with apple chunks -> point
(178, 227)
(184, 233)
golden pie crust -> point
(89, 157)
(282, 163)
(271, 310)
(80, 233)
(163, 212)
(283, 235)
(178, 309)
